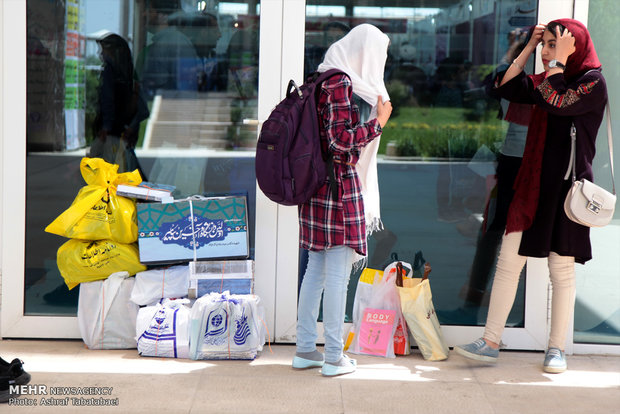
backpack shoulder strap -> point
(317, 78)
(328, 74)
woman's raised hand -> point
(537, 35)
(564, 44)
(384, 110)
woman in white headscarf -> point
(334, 231)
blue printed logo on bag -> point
(225, 326)
(163, 329)
(217, 333)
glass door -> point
(176, 81)
(438, 156)
(597, 309)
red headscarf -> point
(527, 184)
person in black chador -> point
(120, 107)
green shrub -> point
(440, 133)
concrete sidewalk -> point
(516, 384)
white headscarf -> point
(362, 54)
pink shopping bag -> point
(376, 331)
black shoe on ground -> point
(15, 371)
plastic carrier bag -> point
(363, 295)
(106, 316)
(402, 346)
(377, 317)
(162, 283)
(162, 330)
(417, 306)
(225, 326)
(97, 212)
(85, 261)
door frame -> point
(287, 249)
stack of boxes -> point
(209, 233)
(207, 236)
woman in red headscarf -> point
(571, 91)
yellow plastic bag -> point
(416, 302)
(85, 261)
(97, 213)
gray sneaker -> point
(478, 350)
(555, 361)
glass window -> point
(447, 156)
(597, 308)
(171, 81)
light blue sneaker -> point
(345, 366)
(478, 350)
(303, 363)
(555, 361)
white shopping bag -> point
(225, 326)
(106, 316)
(162, 283)
(162, 330)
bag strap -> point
(572, 158)
(318, 78)
(610, 144)
(327, 74)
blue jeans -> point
(328, 273)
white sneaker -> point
(349, 365)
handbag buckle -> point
(594, 207)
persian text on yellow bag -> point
(85, 261)
(97, 213)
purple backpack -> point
(290, 163)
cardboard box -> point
(235, 276)
(205, 228)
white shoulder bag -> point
(586, 203)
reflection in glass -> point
(597, 305)
(121, 106)
(440, 149)
(196, 72)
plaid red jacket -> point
(324, 222)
